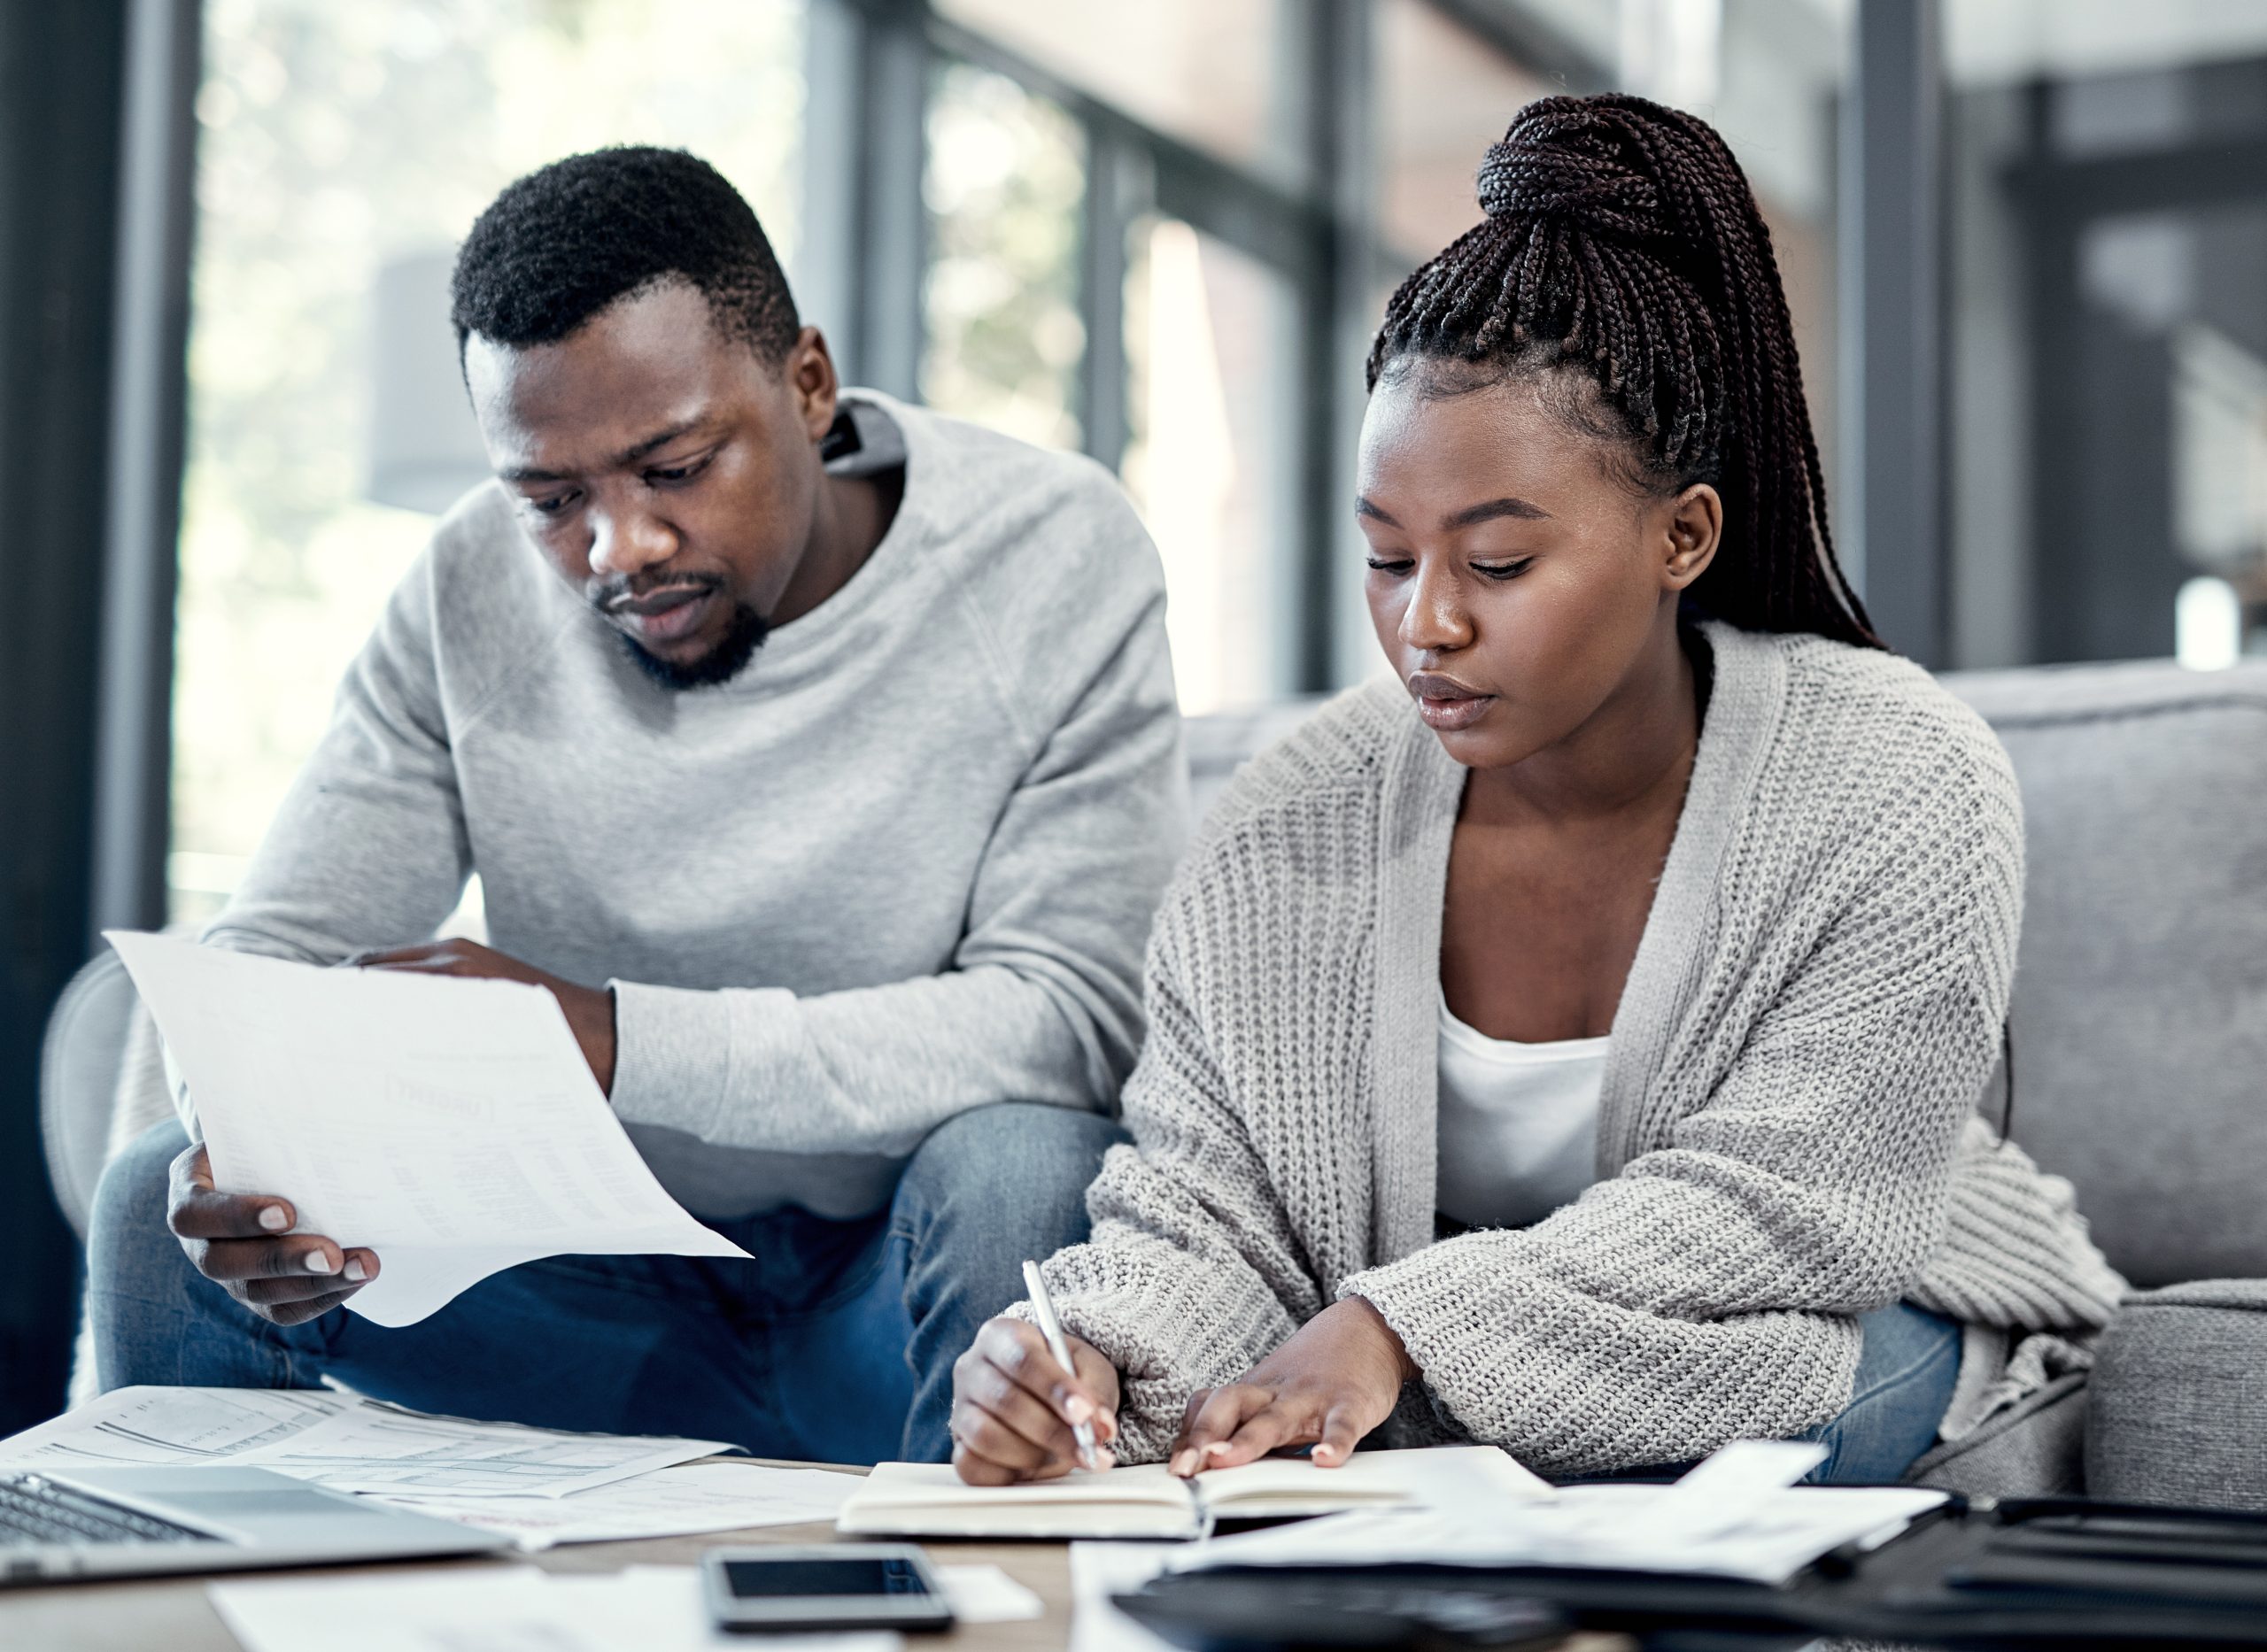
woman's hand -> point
(1332, 1383)
(1013, 1406)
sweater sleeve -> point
(1192, 1276)
(1708, 1292)
(1041, 1001)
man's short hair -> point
(566, 241)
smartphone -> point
(827, 1586)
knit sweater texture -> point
(1788, 1135)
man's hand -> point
(1013, 1406)
(243, 1243)
(1330, 1383)
(589, 1009)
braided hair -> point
(1622, 241)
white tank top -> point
(1518, 1125)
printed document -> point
(342, 1441)
(669, 1503)
(1735, 1516)
(450, 1125)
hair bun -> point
(1570, 159)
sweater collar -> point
(1421, 789)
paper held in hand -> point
(450, 1125)
(929, 1499)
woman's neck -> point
(1635, 750)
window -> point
(1006, 174)
(1211, 459)
(1442, 98)
(337, 141)
(1221, 75)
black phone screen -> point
(779, 1579)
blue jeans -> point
(834, 1345)
(1907, 1368)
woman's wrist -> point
(1377, 1322)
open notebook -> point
(929, 1499)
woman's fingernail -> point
(355, 1270)
(1217, 1449)
(1079, 1408)
(271, 1218)
(1184, 1463)
(319, 1262)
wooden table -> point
(173, 1615)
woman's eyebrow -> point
(1489, 510)
(1471, 516)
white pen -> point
(1043, 1306)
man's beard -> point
(720, 664)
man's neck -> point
(852, 515)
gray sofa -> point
(2140, 1062)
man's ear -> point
(1694, 528)
(810, 378)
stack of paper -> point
(340, 1441)
(671, 1503)
(539, 1487)
(451, 1125)
(1735, 1515)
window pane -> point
(335, 140)
(1214, 427)
(1216, 74)
(1444, 96)
(1006, 176)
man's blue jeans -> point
(835, 1344)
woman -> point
(1584, 1058)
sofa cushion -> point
(2177, 1410)
(2140, 1025)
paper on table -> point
(342, 1441)
(1643, 1528)
(489, 1609)
(986, 1594)
(1099, 1570)
(172, 1425)
(670, 1503)
(450, 1125)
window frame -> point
(867, 241)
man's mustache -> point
(616, 595)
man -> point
(819, 753)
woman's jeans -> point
(1905, 1371)
(834, 1345)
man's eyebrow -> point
(628, 455)
(1490, 510)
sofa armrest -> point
(2176, 1409)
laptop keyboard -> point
(35, 1511)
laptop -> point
(59, 1525)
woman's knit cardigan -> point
(1788, 1135)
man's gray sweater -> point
(902, 865)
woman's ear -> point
(1696, 528)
